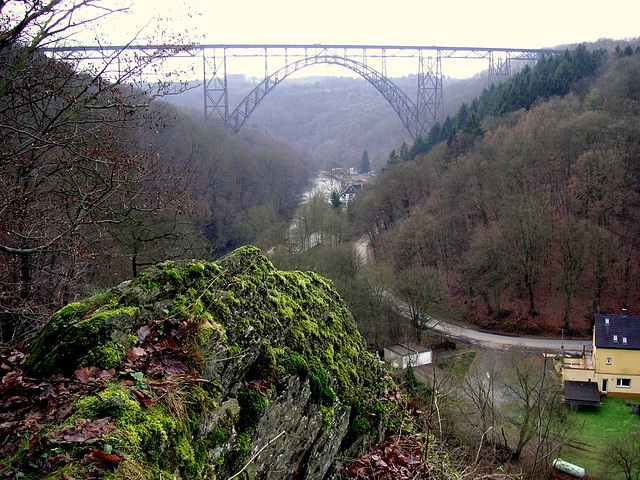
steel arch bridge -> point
(373, 63)
(412, 117)
(417, 114)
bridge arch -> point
(411, 116)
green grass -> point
(457, 364)
(597, 430)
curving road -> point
(489, 340)
(506, 342)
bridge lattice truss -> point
(417, 113)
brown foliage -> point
(28, 404)
(503, 219)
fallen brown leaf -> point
(144, 398)
(106, 461)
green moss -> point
(205, 329)
(230, 304)
(327, 357)
(252, 406)
(320, 389)
(101, 316)
(107, 355)
(220, 312)
(173, 276)
(77, 310)
(242, 447)
(151, 434)
(327, 416)
(187, 305)
(185, 455)
(73, 310)
(79, 334)
(202, 398)
(40, 349)
(196, 269)
(293, 363)
(219, 436)
(295, 338)
(265, 367)
(224, 428)
(367, 413)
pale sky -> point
(462, 23)
(474, 23)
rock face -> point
(231, 369)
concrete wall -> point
(404, 361)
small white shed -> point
(405, 355)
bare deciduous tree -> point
(70, 166)
(421, 289)
(623, 455)
(535, 410)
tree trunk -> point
(25, 276)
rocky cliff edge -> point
(231, 369)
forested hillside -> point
(100, 179)
(525, 213)
(520, 213)
(333, 119)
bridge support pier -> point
(216, 91)
(430, 101)
(417, 115)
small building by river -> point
(404, 355)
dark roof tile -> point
(581, 392)
(617, 331)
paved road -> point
(506, 342)
(490, 340)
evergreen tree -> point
(393, 158)
(417, 148)
(404, 152)
(472, 125)
(365, 167)
(552, 75)
(335, 199)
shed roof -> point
(581, 393)
(407, 349)
(617, 331)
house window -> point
(615, 338)
(608, 360)
(606, 321)
(623, 382)
(624, 340)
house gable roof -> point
(617, 332)
(352, 189)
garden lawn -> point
(457, 364)
(595, 431)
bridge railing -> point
(274, 62)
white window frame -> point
(615, 338)
(620, 382)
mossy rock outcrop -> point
(207, 370)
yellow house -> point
(614, 364)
